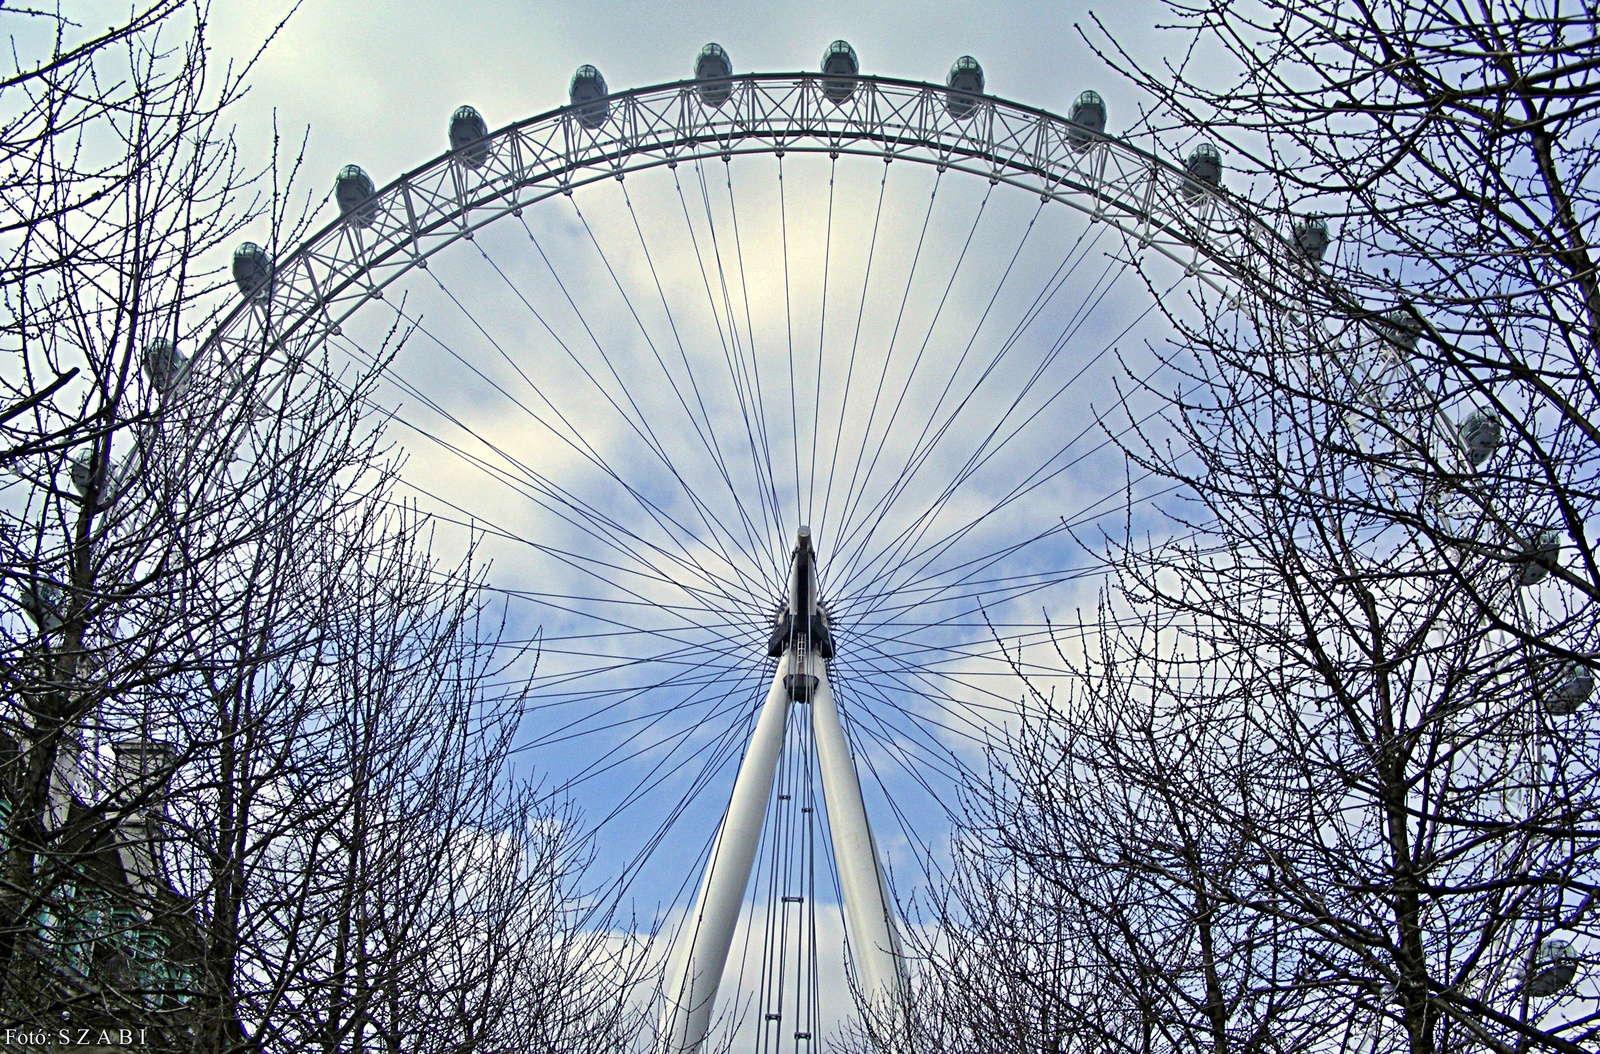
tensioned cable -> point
(822, 337)
(982, 454)
(894, 336)
(590, 517)
(733, 358)
(1033, 480)
(745, 389)
(712, 522)
(916, 361)
(788, 319)
(755, 368)
(1048, 291)
(923, 448)
(583, 321)
(855, 344)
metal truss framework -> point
(1155, 205)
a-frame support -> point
(701, 953)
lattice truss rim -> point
(1156, 205)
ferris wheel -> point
(775, 399)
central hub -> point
(801, 630)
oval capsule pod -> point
(1480, 435)
(839, 71)
(252, 271)
(1573, 688)
(712, 68)
(963, 85)
(1401, 329)
(469, 136)
(1086, 120)
(1311, 238)
(166, 367)
(42, 601)
(1204, 166)
(1539, 554)
(1554, 966)
(357, 197)
(82, 470)
(588, 93)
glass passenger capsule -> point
(468, 136)
(164, 364)
(1088, 115)
(1480, 435)
(588, 93)
(42, 601)
(82, 471)
(1204, 166)
(1538, 556)
(840, 69)
(1554, 966)
(1573, 689)
(963, 85)
(354, 192)
(1400, 328)
(252, 271)
(712, 68)
(1311, 238)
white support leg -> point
(868, 909)
(701, 951)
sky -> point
(547, 348)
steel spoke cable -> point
(921, 850)
(587, 513)
(982, 454)
(1047, 293)
(977, 328)
(760, 400)
(788, 321)
(707, 434)
(928, 691)
(855, 343)
(923, 452)
(888, 355)
(748, 551)
(822, 337)
(587, 565)
(744, 386)
(488, 528)
(599, 347)
(717, 753)
(916, 362)
(932, 756)
(606, 762)
(703, 427)
(873, 594)
(1031, 482)
(588, 519)
(682, 677)
(709, 519)
(956, 370)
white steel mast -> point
(701, 953)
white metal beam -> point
(701, 951)
(868, 908)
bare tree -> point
(1328, 778)
(256, 775)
